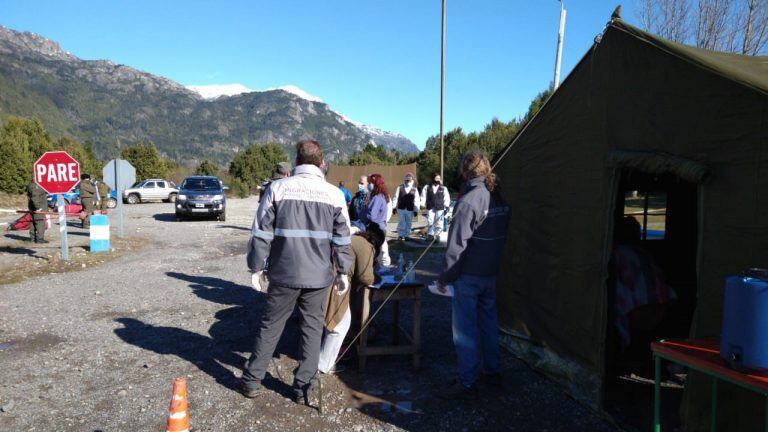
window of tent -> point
(650, 210)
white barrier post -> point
(63, 227)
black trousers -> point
(280, 304)
(37, 226)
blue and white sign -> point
(99, 233)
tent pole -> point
(442, 86)
(560, 35)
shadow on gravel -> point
(18, 251)
(237, 227)
(164, 217)
(237, 326)
(17, 237)
(195, 348)
(232, 333)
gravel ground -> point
(98, 349)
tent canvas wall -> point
(393, 174)
(632, 93)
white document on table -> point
(448, 290)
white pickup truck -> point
(151, 190)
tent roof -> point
(751, 71)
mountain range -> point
(114, 105)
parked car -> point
(201, 195)
(74, 198)
(151, 190)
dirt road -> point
(98, 349)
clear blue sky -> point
(375, 61)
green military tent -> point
(680, 125)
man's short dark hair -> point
(309, 152)
(85, 176)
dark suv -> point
(201, 195)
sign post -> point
(57, 172)
(119, 174)
(61, 204)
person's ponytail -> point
(491, 182)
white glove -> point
(259, 281)
(342, 284)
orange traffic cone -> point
(178, 419)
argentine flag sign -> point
(99, 233)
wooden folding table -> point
(406, 291)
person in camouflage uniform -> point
(88, 195)
(37, 202)
(104, 191)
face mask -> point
(370, 187)
(360, 187)
(409, 182)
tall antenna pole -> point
(560, 36)
(442, 89)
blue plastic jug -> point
(744, 336)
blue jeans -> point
(475, 327)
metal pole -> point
(119, 200)
(657, 394)
(442, 89)
(61, 204)
(560, 36)
(713, 414)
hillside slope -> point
(115, 105)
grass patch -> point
(29, 262)
(12, 201)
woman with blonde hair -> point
(475, 242)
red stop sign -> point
(56, 172)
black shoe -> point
(458, 391)
(249, 391)
(301, 395)
(42, 241)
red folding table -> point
(702, 355)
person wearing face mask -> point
(360, 199)
(437, 200)
(345, 191)
(407, 202)
(377, 211)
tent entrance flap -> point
(652, 279)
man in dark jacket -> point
(407, 202)
(104, 191)
(282, 170)
(301, 237)
(360, 200)
(475, 243)
(88, 195)
(36, 202)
